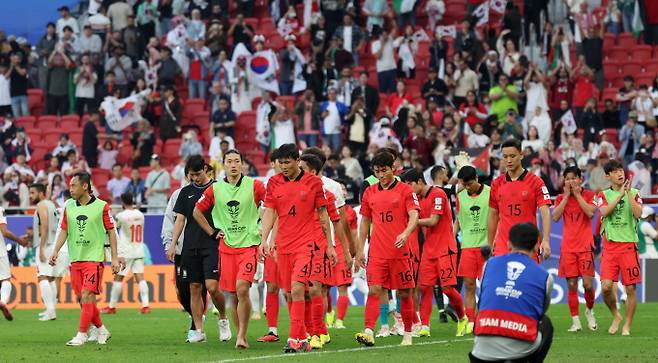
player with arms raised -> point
(85, 225)
(294, 196)
(515, 198)
(130, 223)
(234, 202)
(392, 208)
(621, 207)
(577, 207)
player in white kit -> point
(45, 226)
(5, 274)
(130, 223)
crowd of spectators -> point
(378, 73)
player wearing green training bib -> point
(621, 208)
(234, 203)
(85, 225)
(472, 216)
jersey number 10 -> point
(137, 233)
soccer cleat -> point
(575, 326)
(591, 319)
(48, 316)
(461, 326)
(443, 318)
(325, 339)
(270, 337)
(406, 339)
(78, 340)
(103, 335)
(196, 336)
(5, 311)
(43, 313)
(424, 332)
(145, 310)
(339, 324)
(108, 310)
(365, 338)
(297, 346)
(384, 332)
(415, 330)
(224, 330)
(331, 319)
(470, 327)
(316, 342)
(92, 334)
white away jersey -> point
(130, 223)
(3, 220)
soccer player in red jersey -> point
(392, 208)
(270, 274)
(342, 273)
(621, 207)
(439, 259)
(577, 207)
(294, 196)
(515, 198)
(322, 266)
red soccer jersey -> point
(577, 231)
(207, 200)
(333, 216)
(388, 210)
(295, 202)
(352, 221)
(516, 201)
(439, 238)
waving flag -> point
(300, 83)
(498, 5)
(446, 31)
(568, 122)
(262, 70)
(482, 13)
(121, 113)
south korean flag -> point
(482, 13)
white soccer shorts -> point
(5, 274)
(136, 265)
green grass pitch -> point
(160, 337)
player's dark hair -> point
(39, 187)
(467, 173)
(274, 155)
(66, 194)
(195, 163)
(391, 151)
(611, 166)
(573, 170)
(84, 178)
(412, 175)
(383, 158)
(317, 152)
(524, 236)
(512, 143)
(233, 151)
(436, 169)
(312, 161)
(288, 151)
(127, 199)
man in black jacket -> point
(368, 92)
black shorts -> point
(198, 265)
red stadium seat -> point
(170, 149)
(631, 68)
(192, 107)
(645, 79)
(201, 119)
(27, 122)
(626, 40)
(39, 153)
(100, 177)
(609, 40)
(651, 67)
(247, 120)
(69, 124)
(76, 136)
(47, 122)
(641, 53)
(51, 137)
(619, 54)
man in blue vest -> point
(511, 324)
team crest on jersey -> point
(303, 193)
(233, 209)
(81, 223)
(475, 213)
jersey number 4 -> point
(292, 211)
